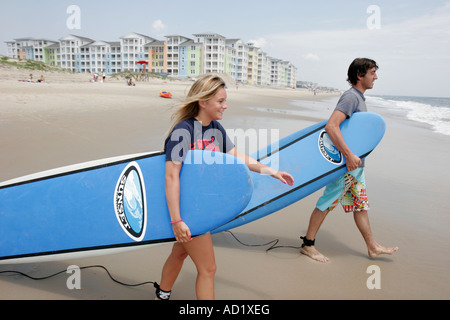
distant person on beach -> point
(205, 105)
(41, 79)
(350, 189)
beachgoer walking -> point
(205, 105)
(350, 189)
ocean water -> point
(432, 111)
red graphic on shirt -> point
(205, 144)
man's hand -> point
(353, 162)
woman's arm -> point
(172, 186)
(256, 166)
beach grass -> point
(31, 65)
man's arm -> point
(335, 134)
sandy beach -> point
(68, 120)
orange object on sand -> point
(165, 94)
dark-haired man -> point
(349, 190)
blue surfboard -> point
(115, 204)
(312, 159)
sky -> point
(409, 39)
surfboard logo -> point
(329, 150)
(130, 202)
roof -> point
(209, 35)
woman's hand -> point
(256, 166)
(181, 231)
(284, 177)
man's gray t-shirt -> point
(350, 102)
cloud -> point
(158, 26)
(311, 57)
(412, 54)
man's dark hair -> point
(359, 67)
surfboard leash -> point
(272, 243)
(81, 268)
(272, 247)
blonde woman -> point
(196, 126)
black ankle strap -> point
(307, 242)
(160, 294)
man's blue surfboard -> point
(312, 159)
(115, 204)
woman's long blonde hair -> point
(202, 90)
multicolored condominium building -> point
(177, 56)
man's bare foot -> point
(375, 252)
(311, 252)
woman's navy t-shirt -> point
(190, 134)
